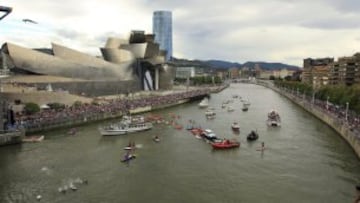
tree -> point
(77, 104)
(31, 108)
(56, 106)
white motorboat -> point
(209, 135)
(123, 128)
(230, 109)
(235, 126)
(273, 118)
(204, 103)
(127, 125)
(209, 113)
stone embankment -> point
(352, 136)
(14, 137)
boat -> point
(127, 125)
(235, 126)
(246, 102)
(196, 131)
(33, 138)
(204, 103)
(245, 107)
(209, 113)
(226, 144)
(273, 118)
(208, 134)
(156, 139)
(128, 157)
(230, 109)
(253, 135)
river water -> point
(305, 160)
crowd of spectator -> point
(104, 109)
(341, 114)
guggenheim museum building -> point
(126, 65)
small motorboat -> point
(253, 135)
(235, 126)
(245, 107)
(72, 131)
(226, 144)
(273, 119)
(156, 139)
(230, 109)
(208, 134)
(204, 103)
(209, 112)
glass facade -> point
(162, 28)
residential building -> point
(310, 66)
(320, 76)
(162, 28)
(234, 73)
(345, 71)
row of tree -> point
(336, 94)
(31, 108)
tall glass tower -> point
(162, 28)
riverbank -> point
(113, 107)
(341, 126)
(12, 137)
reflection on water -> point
(304, 160)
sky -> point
(285, 31)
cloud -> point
(236, 30)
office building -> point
(162, 28)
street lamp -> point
(304, 96)
(327, 103)
(313, 97)
(346, 111)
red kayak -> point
(225, 145)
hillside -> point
(220, 64)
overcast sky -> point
(284, 31)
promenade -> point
(341, 120)
(110, 107)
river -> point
(304, 160)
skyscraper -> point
(162, 28)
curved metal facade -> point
(40, 63)
(137, 59)
(117, 56)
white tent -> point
(44, 106)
